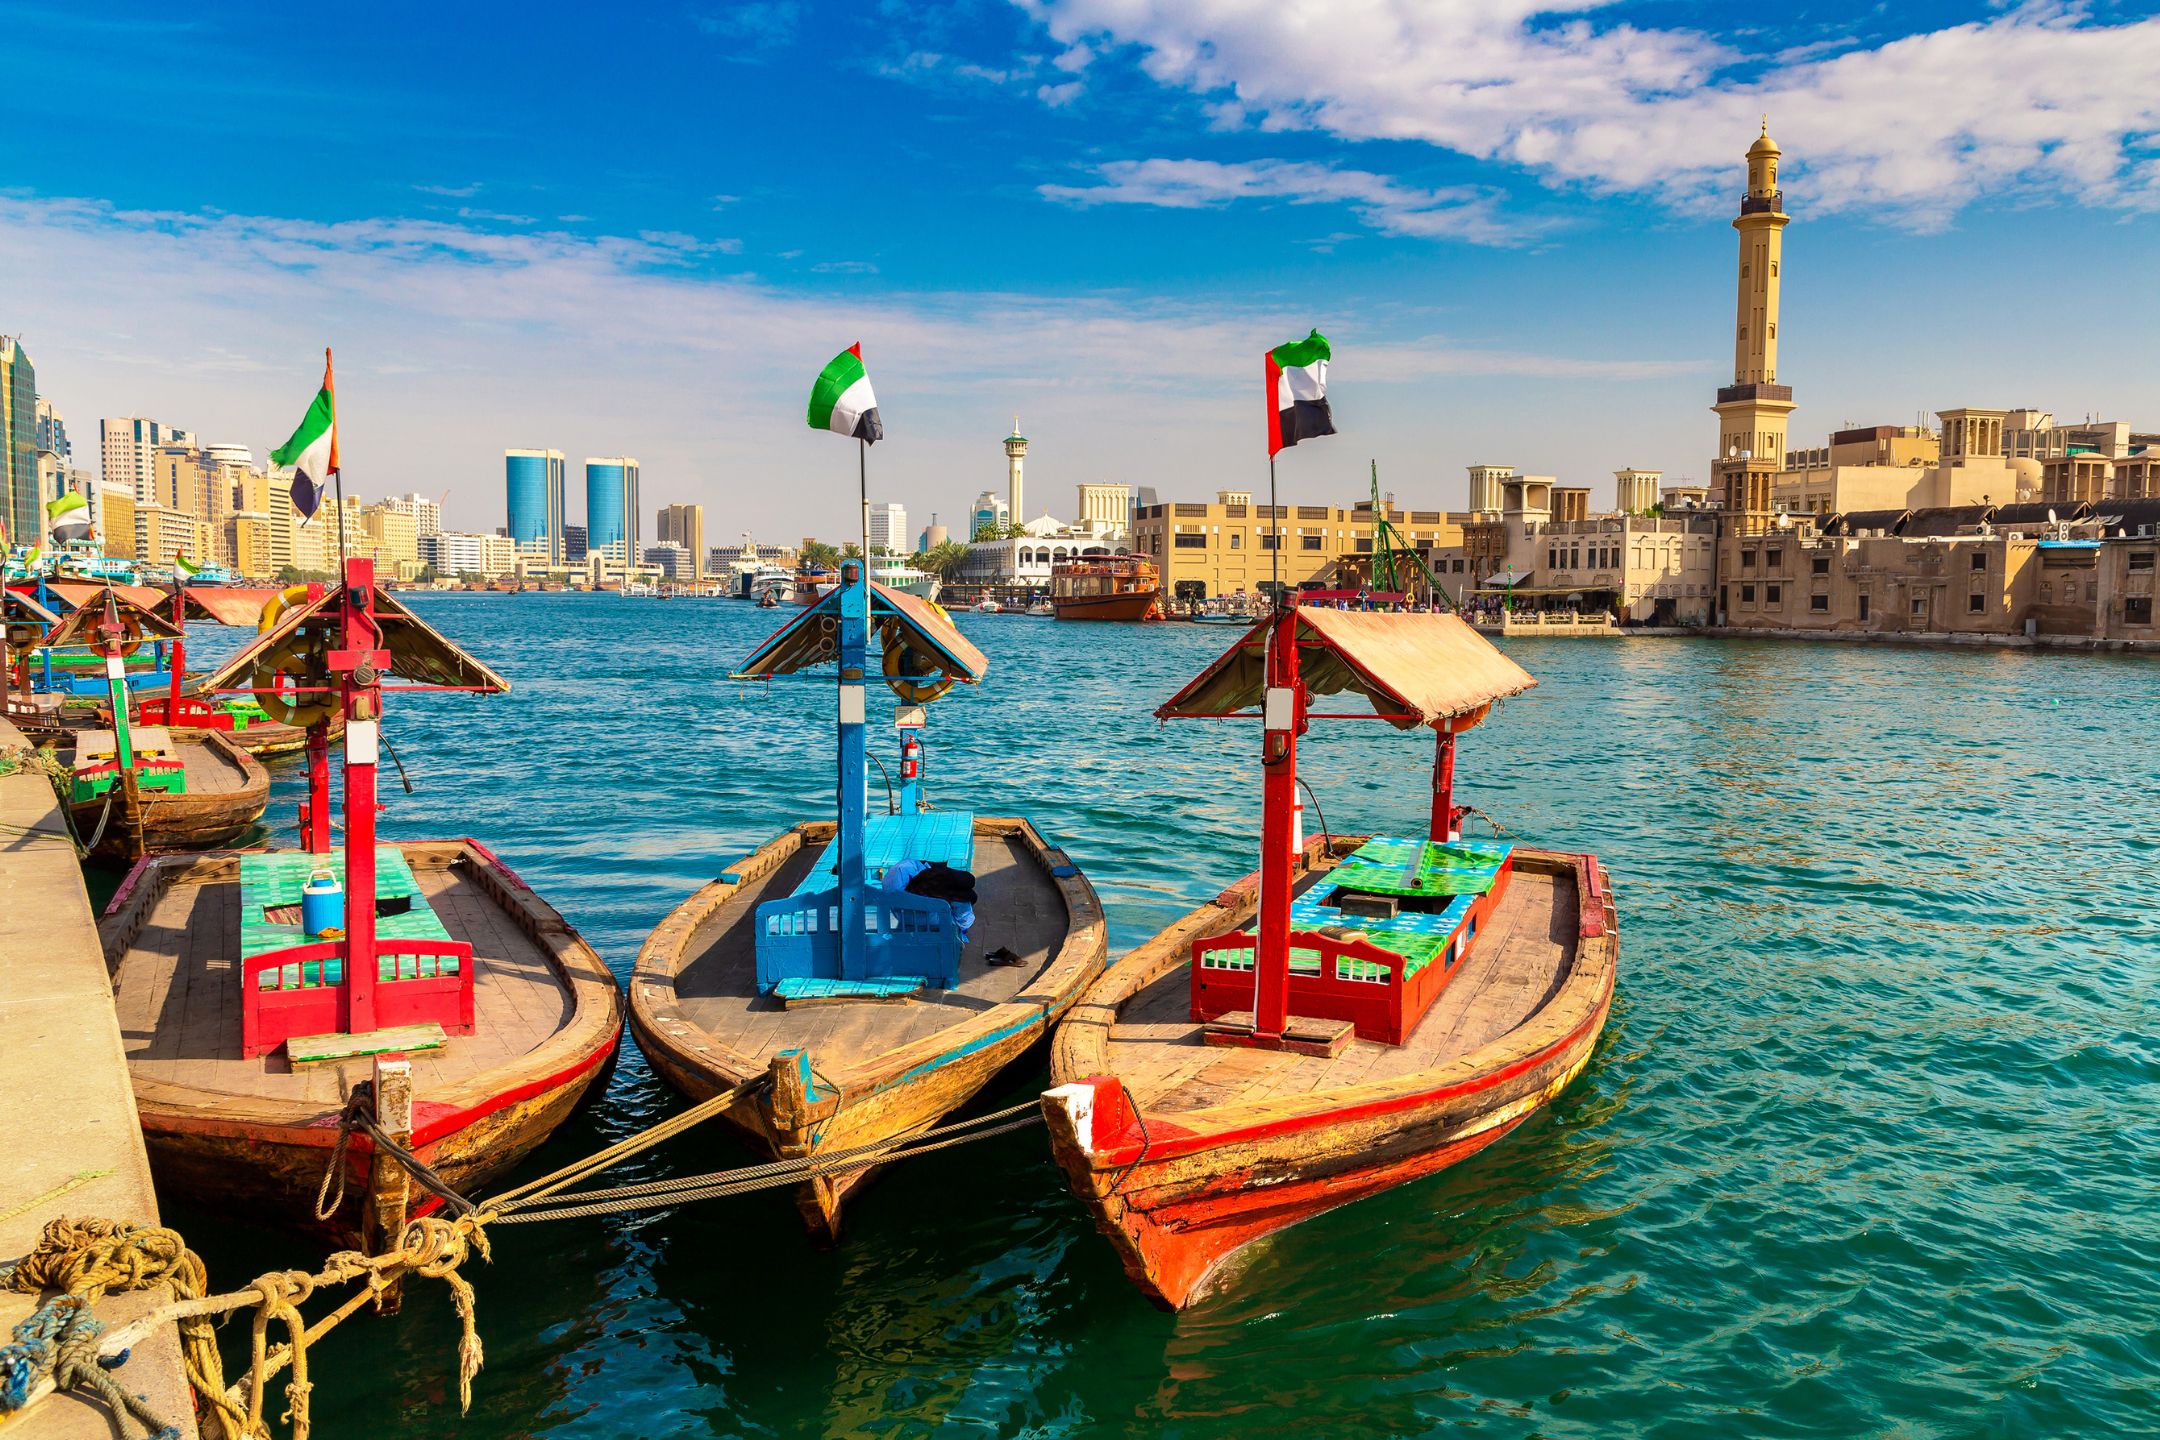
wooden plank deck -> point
(1515, 966)
(1018, 907)
(178, 995)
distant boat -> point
(895, 573)
(772, 585)
(1042, 607)
(1107, 587)
(989, 606)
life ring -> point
(275, 607)
(132, 628)
(904, 672)
(282, 669)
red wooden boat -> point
(253, 1010)
(1404, 1003)
(1109, 587)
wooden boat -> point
(250, 1024)
(226, 792)
(874, 1011)
(1361, 1012)
(1112, 587)
(253, 1134)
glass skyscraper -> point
(611, 509)
(534, 481)
(19, 500)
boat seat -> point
(274, 881)
(95, 745)
(946, 836)
(151, 740)
(1422, 869)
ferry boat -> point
(771, 585)
(989, 606)
(855, 980)
(894, 573)
(1109, 587)
(812, 586)
(255, 990)
(1363, 1011)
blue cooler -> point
(322, 906)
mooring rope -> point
(62, 1346)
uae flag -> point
(841, 400)
(312, 451)
(1297, 392)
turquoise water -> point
(1868, 1148)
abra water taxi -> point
(869, 973)
(1363, 1011)
(257, 992)
(1112, 587)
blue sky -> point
(644, 232)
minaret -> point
(1752, 410)
(1015, 452)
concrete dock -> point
(67, 1111)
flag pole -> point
(337, 470)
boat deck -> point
(1018, 907)
(1516, 965)
(210, 770)
(178, 993)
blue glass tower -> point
(611, 509)
(534, 482)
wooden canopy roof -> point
(225, 604)
(74, 593)
(808, 639)
(1416, 669)
(21, 605)
(80, 628)
(418, 652)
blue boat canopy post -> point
(847, 930)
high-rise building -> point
(426, 513)
(672, 560)
(611, 509)
(52, 432)
(684, 525)
(534, 484)
(888, 527)
(933, 535)
(19, 504)
(1752, 411)
(990, 513)
(128, 449)
(574, 544)
(1015, 453)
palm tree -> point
(944, 560)
(817, 555)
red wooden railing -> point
(274, 1013)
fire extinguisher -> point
(910, 760)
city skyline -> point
(1542, 283)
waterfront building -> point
(247, 541)
(533, 481)
(1646, 570)
(1485, 483)
(574, 545)
(674, 561)
(450, 554)
(19, 503)
(115, 520)
(611, 509)
(1015, 456)
(426, 514)
(162, 532)
(393, 536)
(684, 525)
(933, 535)
(1229, 547)
(1752, 411)
(1027, 558)
(128, 451)
(887, 528)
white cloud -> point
(1454, 213)
(454, 342)
(2036, 98)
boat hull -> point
(1181, 1195)
(264, 1154)
(879, 1095)
(1130, 605)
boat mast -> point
(359, 659)
(854, 741)
(1283, 716)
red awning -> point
(1416, 669)
(226, 604)
(418, 652)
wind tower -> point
(1752, 410)
(1015, 452)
